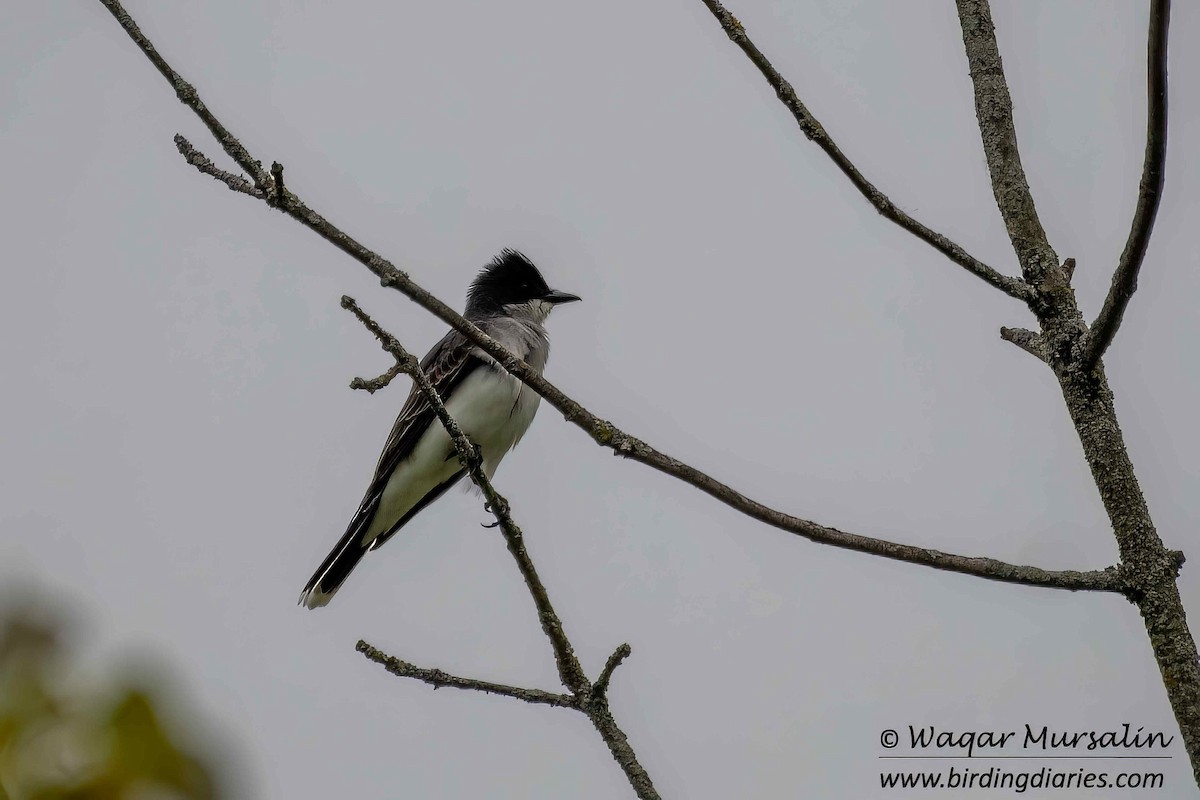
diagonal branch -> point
(813, 129)
(1025, 339)
(203, 163)
(993, 108)
(608, 435)
(1124, 281)
(618, 656)
(373, 385)
(437, 679)
(188, 96)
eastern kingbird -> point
(509, 301)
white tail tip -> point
(315, 598)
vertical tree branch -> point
(993, 108)
(1150, 567)
(1154, 173)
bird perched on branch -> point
(509, 300)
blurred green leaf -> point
(81, 740)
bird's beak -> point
(555, 297)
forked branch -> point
(439, 679)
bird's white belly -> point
(492, 408)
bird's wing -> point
(449, 362)
(447, 365)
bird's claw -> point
(488, 508)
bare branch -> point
(1027, 340)
(813, 129)
(203, 163)
(993, 108)
(600, 687)
(188, 96)
(1154, 173)
(437, 679)
(373, 385)
(608, 435)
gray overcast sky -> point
(181, 450)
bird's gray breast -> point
(524, 338)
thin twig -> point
(622, 652)
(608, 435)
(570, 671)
(437, 679)
(1150, 190)
(994, 112)
(373, 385)
(1027, 340)
(815, 132)
(189, 97)
(203, 163)
(407, 363)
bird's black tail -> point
(333, 572)
(349, 551)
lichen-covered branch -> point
(615, 660)
(439, 679)
(993, 108)
(373, 385)
(1025, 339)
(203, 163)
(1150, 189)
(816, 133)
(188, 95)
